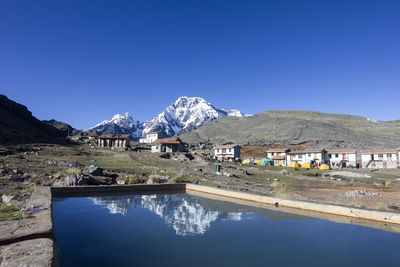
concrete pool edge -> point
(370, 215)
(31, 240)
(35, 232)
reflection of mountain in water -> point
(183, 212)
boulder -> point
(164, 179)
(284, 172)
(6, 199)
(120, 181)
(94, 170)
(70, 180)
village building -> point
(398, 158)
(93, 136)
(150, 137)
(227, 152)
(114, 141)
(173, 144)
(316, 156)
(278, 156)
(341, 158)
(380, 158)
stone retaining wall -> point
(84, 190)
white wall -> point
(350, 157)
(307, 157)
(229, 152)
(155, 149)
(381, 162)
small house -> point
(279, 156)
(173, 144)
(314, 156)
(341, 158)
(227, 152)
(150, 137)
(93, 136)
(380, 158)
(113, 141)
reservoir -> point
(181, 229)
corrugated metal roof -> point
(170, 142)
(114, 136)
(226, 146)
(278, 150)
(307, 150)
(341, 150)
(380, 150)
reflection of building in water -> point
(183, 213)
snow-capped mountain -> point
(185, 214)
(119, 124)
(185, 114)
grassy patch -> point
(10, 213)
(382, 206)
(23, 190)
(389, 183)
(72, 171)
(184, 178)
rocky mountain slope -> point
(299, 127)
(185, 114)
(17, 125)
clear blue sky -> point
(83, 61)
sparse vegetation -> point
(9, 213)
(382, 206)
(389, 183)
(53, 162)
(72, 171)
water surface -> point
(186, 230)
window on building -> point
(389, 155)
(309, 154)
(380, 156)
(336, 155)
(330, 155)
(300, 156)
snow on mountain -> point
(186, 215)
(119, 124)
(185, 114)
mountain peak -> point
(119, 124)
(118, 116)
(185, 114)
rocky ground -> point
(33, 168)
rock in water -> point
(94, 170)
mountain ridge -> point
(309, 127)
(18, 125)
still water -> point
(186, 230)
